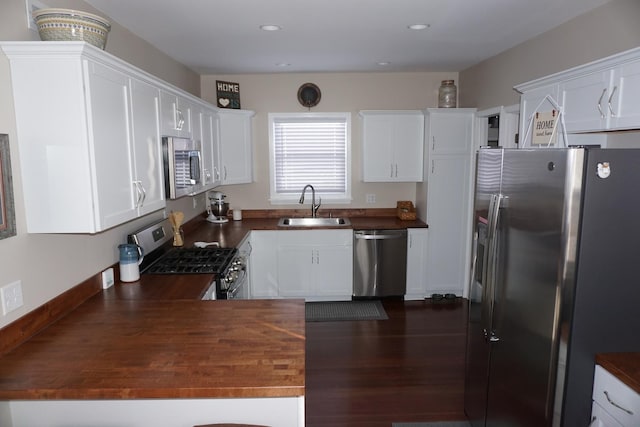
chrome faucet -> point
(314, 207)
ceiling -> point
(224, 36)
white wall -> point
(48, 265)
(341, 92)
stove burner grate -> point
(192, 261)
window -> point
(310, 148)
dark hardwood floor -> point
(409, 368)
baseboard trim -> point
(20, 330)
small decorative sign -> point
(228, 94)
(544, 128)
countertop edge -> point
(624, 366)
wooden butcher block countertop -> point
(112, 348)
(624, 366)
(154, 338)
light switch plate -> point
(107, 278)
(11, 296)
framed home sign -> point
(228, 94)
(7, 212)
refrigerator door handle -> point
(491, 261)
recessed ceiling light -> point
(283, 64)
(270, 27)
(383, 63)
(418, 26)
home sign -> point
(228, 94)
(544, 128)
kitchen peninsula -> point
(152, 353)
(162, 363)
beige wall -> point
(602, 32)
(341, 92)
(48, 265)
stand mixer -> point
(217, 208)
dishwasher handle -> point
(382, 236)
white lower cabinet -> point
(416, 263)
(614, 403)
(272, 411)
(601, 418)
(315, 264)
(310, 264)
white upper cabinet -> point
(625, 111)
(392, 145)
(87, 128)
(598, 96)
(175, 115)
(587, 102)
(236, 146)
(603, 100)
(111, 142)
(210, 149)
(90, 130)
(147, 147)
(450, 131)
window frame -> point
(336, 198)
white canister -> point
(130, 258)
(237, 215)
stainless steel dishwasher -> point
(379, 263)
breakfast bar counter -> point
(137, 349)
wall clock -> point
(309, 95)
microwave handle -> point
(194, 167)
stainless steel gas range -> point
(160, 257)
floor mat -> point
(435, 424)
(344, 310)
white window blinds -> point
(310, 150)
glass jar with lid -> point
(447, 94)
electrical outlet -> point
(32, 6)
(107, 278)
(195, 202)
(371, 198)
(11, 296)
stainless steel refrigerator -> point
(555, 280)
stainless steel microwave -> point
(182, 159)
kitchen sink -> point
(314, 222)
